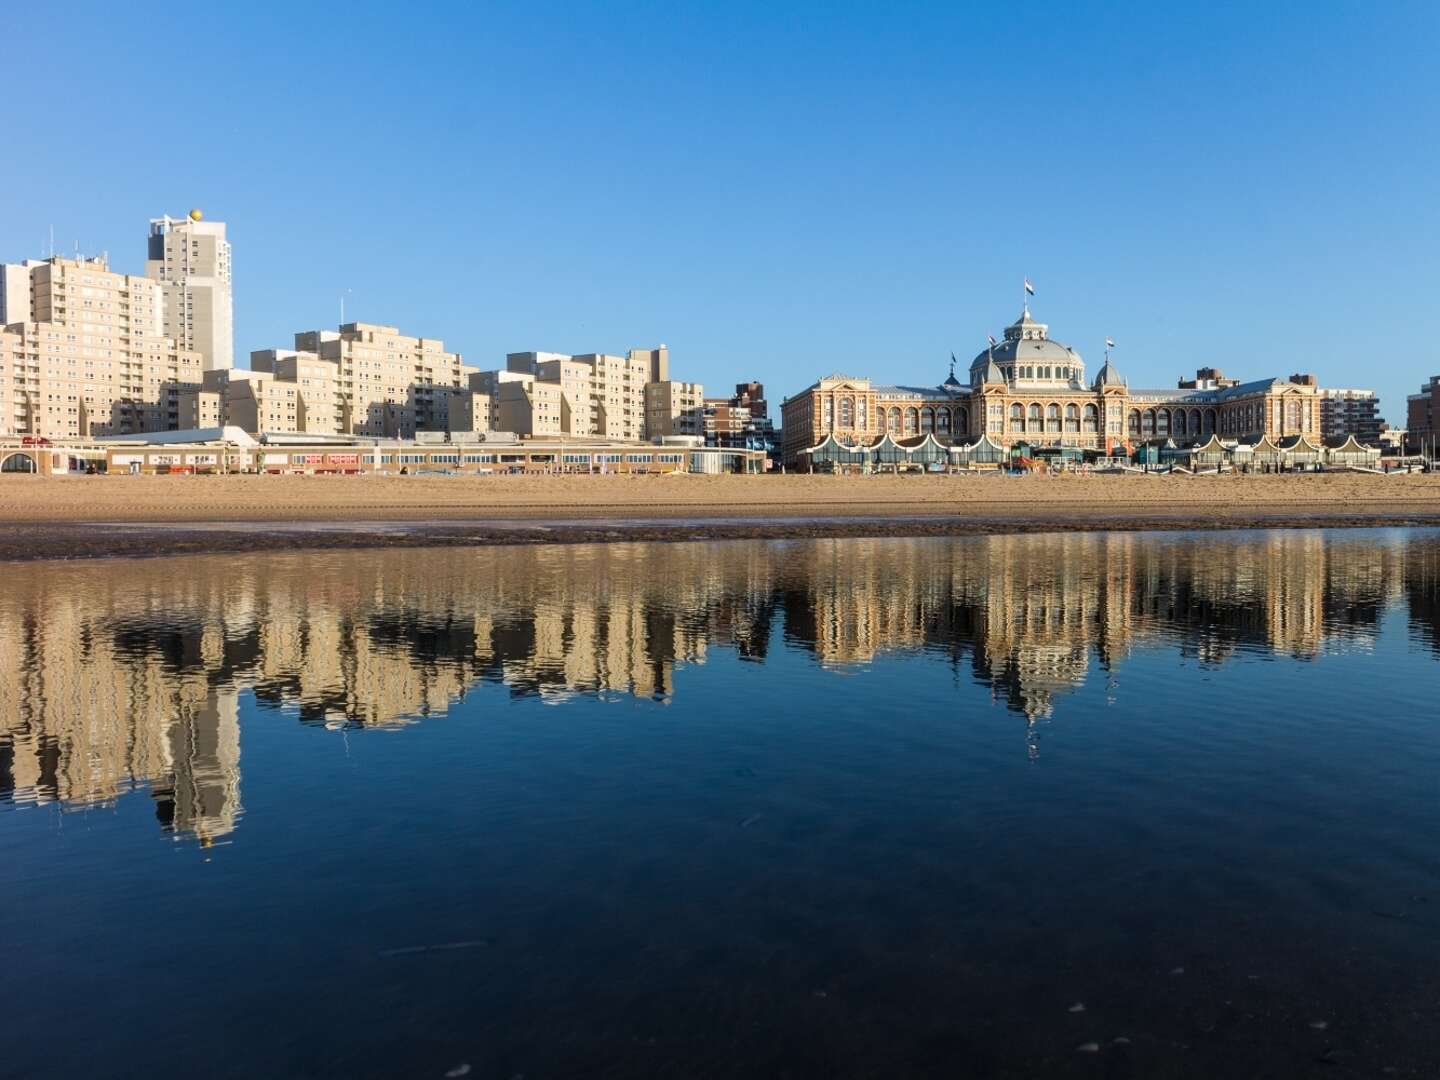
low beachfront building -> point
(1031, 393)
(222, 450)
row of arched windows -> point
(1164, 423)
(1289, 418)
(910, 420)
(1072, 420)
(918, 420)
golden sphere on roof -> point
(195, 214)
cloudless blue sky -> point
(776, 191)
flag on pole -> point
(992, 339)
(1109, 343)
(1029, 289)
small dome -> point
(1109, 376)
(988, 373)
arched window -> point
(1162, 423)
(894, 424)
(847, 412)
(1092, 420)
(1072, 419)
(962, 421)
(942, 420)
(1194, 421)
(1147, 424)
(927, 419)
(862, 415)
(912, 420)
(1209, 421)
(828, 412)
(1134, 425)
(1052, 418)
(1180, 422)
(1292, 417)
(1017, 417)
(18, 463)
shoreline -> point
(102, 517)
(68, 541)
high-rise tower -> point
(190, 257)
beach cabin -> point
(1265, 455)
(1349, 451)
(831, 455)
(983, 453)
(1301, 454)
(1211, 454)
(1149, 453)
(888, 455)
(926, 452)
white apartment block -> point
(191, 260)
(87, 357)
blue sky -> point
(775, 191)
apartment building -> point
(591, 394)
(89, 357)
(254, 401)
(190, 258)
(674, 408)
(524, 404)
(1351, 412)
(201, 409)
(579, 411)
(1422, 415)
(740, 420)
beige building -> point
(257, 401)
(522, 403)
(628, 398)
(369, 379)
(674, 408)
(190, 258)
(90, 358)
(1031, 391)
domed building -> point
(1029, 392)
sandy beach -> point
(55, 517)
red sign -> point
(344, 459)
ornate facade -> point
(1032, 389)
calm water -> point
(821, 808)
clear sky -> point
(776, 191)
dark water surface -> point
(1093, 805)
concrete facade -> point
(591, 395)
(91, 359)
(674, 408)
(1351, 412)
(190, 258)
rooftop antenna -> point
(52, 241)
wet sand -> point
(77, 517)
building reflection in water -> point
(121, 675)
